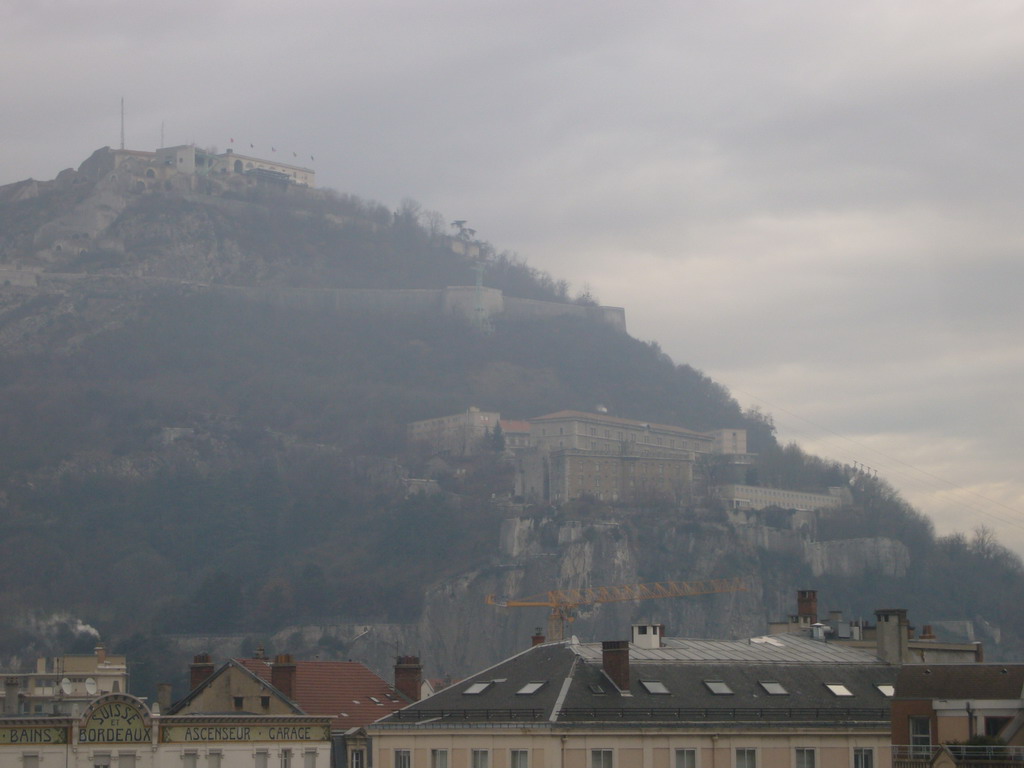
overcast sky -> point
(819, 204)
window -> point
(863, 757)
(238, 702)
(357, 759)
(746, 758)
(286, 758)
(600, 758)
(686, 758)
(654, 686)
(265, 702)
(30, 761)
(531, 687)
(920, 736)
(212, 760)
(403, 758)
(481, 759)
(309, 758)
(838, 689)
(476, 688)
(718, 687)
(886, 690)
(261, 760)
(773, 688)
(519, 758)
(439, 758)
(189, 760)
(993, 725)
(804, 757)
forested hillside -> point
(179, 460)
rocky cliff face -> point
(459, 633)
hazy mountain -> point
(207, 383)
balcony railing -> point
(910, 756)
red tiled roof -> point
(342, 690)
(510, 425)
(604, 418)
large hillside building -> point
(574, 454)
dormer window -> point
(838, 689)
(529, 688)
(655, 686)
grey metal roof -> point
(576, 691)
(960, 681)
(769, 648)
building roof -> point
(511, 425)
(346, 691)
(676, 686)
(605, 419)
(960, 681)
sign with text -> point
(34, 735)
(115, 719)
(244, 732)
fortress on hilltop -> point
(148, 170)
(210, 178)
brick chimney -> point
(101, 653)
(537, 637)
(615, 662)
(807, 606)
(282, 674)
(200, 670)
(408, 676)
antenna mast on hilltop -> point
(122, 122)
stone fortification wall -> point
(405, 302)
(533, 308)
(371, 301)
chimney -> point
(200, 670)
(409, 676)
(163, 696)
(12, 686)
(537, 637)
(615, 662)
(282, 674)
(807, 606)
(101, 654)
(927, 633)
(891, 635)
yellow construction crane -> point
(563, 602)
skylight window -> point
(717, 687)
(531, 687)
(596, 688)
(476, 688)
(886, 690)
(838, 689)
(654, 686)
(773, 688)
